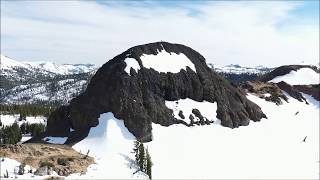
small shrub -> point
(21, 169)
(62, 161)
(46, 163)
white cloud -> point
(255, 33)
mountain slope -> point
(159, 72)
(284, 146)
(237, 74)
(41, 83)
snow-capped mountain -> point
(237, 69)
(194, 123)
(9, 65)
(41, 82)
(44, 82)
(236, 73)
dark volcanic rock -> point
(291, 91)
(313, 90)
(139, 98)
(181, 115)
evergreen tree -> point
(136, 150)
(141, 159)
(10, 134)
(23, 128)
(148, 164)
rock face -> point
(291, 91)
(139, 97)
(313, 90)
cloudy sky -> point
(247, 33)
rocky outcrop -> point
(265, 90)
(139, 98)
(291, 91)
(44, 170)
(312, 90)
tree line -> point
(26, 110)
(142, 158)
(12, 134)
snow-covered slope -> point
(59, 92)
(44, 67)
(303, 76)
(111, 144)
(270, 149)
(42, 82)
(9, 119)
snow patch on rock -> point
(207, 109)
(167, 62)
(131, 63)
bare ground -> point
(70, 161)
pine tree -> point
(141, 159)
(136, 150)
(149, 164)
(16, 132)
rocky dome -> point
(135, 85)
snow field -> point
(270, 149)
(8, 120)
(111, 144)
(303, 76)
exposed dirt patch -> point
(260, 89)
(64, 159)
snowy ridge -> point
(303, 76)
(41, 82)
(7, 63)
(49, 67)
(237, 69)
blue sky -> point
(246, 32)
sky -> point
(268, 33)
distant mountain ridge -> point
(10, 65)
(51, 84)
(238, 69)
(41, 82)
